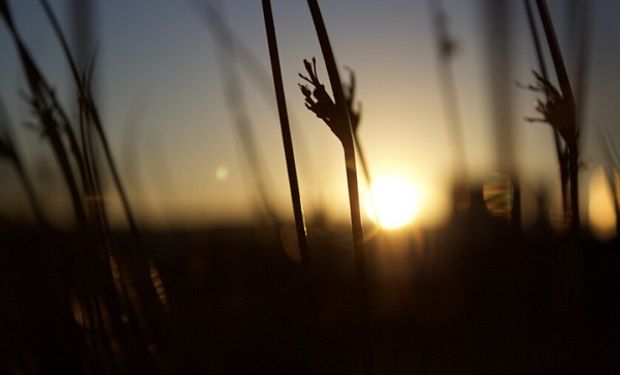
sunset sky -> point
(161, 94)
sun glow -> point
(601, 206)
(394, 202)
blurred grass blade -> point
(446, 48)
(9, 150)
(50, 115)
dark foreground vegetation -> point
(471, 297)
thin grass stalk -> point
(582, 61)
(564, 117)
(138, 265)
(446, 48)
(355, 116)
(74, 146)
(536, 39)
(44, 103)
(237, 108)
(611, 170)
(234, 46)
(9, 150)
(559, 149)
(363, 162)
(139, 260)
(235, 101)
(286, 133)
(580, 29)
(567, 93)
(29, 189)
(88, 179)
(94, 195)
(68, 173)
(368, 179)
(93, 114)
(131, 221)
(354, 202)
(499, 62)
(106, 297)
(86, 140)
(355, 119)
(52, 117)
(555, 51)
(89, 148)
(236, 49)
(613, 185)
(88, 115)
(87, 168)
(84, 152)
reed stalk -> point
(363, 162)
(87, 163)
(235, 48)
(94, 286)
(612, 169)
(92, 114)
(50, 115)
(343, 122)
(286, 133)
(9, 150)
(560, 150)
(569, 126)
(242, 121)
(355, 116)
(446, 49)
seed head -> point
(555, 109)
(316, 97)
(318, 101)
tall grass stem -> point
(350, 161)
(559, 148)
(567, 93)
(286, 132)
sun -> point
(394, 200)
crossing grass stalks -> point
(124, 309)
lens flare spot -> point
(221, 173)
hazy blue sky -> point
(161, 95)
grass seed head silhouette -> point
(555, 109)
(318, 101)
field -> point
(204, 267)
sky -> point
(161, 91)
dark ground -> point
(472, 297)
